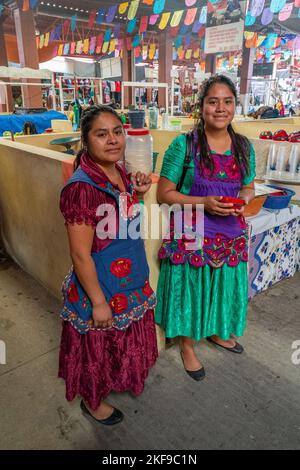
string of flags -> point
(271, 40)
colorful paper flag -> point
(176, 18)
(66, 48)
(131, 26)
(105, 47)
(158, 7)
(92, 18)
(190, 16)
(111, 13)
(153, 19)
(100, 16)
(123, 7)
(133, 9)
(164, 20)
(143, 24)
(73, 23)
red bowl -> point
(237, 202)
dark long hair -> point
(86, 124)
(240, 143)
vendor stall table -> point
(274, 247)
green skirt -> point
(201, 302)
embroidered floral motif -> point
(73, 295)
(119, 303)
(120, 322)
(147, 289)
(121, 267)
(225, 169)
(126, 307)
(216, 252)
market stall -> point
(274, 252)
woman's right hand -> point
(214, 206)
(102, 315)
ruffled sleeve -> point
(252, 166)
(173, 159)
(79, 203)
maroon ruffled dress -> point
(101, 361)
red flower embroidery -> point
(196, 261)
(232, 170)
(147, 290)
(177, 258)
(233, 260)
(219, 239)
(207, 241)
(239, 245)
(121, 267)
(73, 295)
(228, 243)
(245, 256)
(119, 303)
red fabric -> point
(79, 201)
(95, 364)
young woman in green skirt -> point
(203, 293)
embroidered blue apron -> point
(122, 271)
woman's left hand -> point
(141, 182)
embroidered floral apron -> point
(122, 271)
(224, 237)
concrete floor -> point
(246, 402)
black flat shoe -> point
(195, 374)
(237, 348)
(115, 418)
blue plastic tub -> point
(279, 202)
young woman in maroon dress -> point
(108, 339)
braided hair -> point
(240, 143)
(86, 123)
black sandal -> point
(115, 418)
(237, 348)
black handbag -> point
(187, 159)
